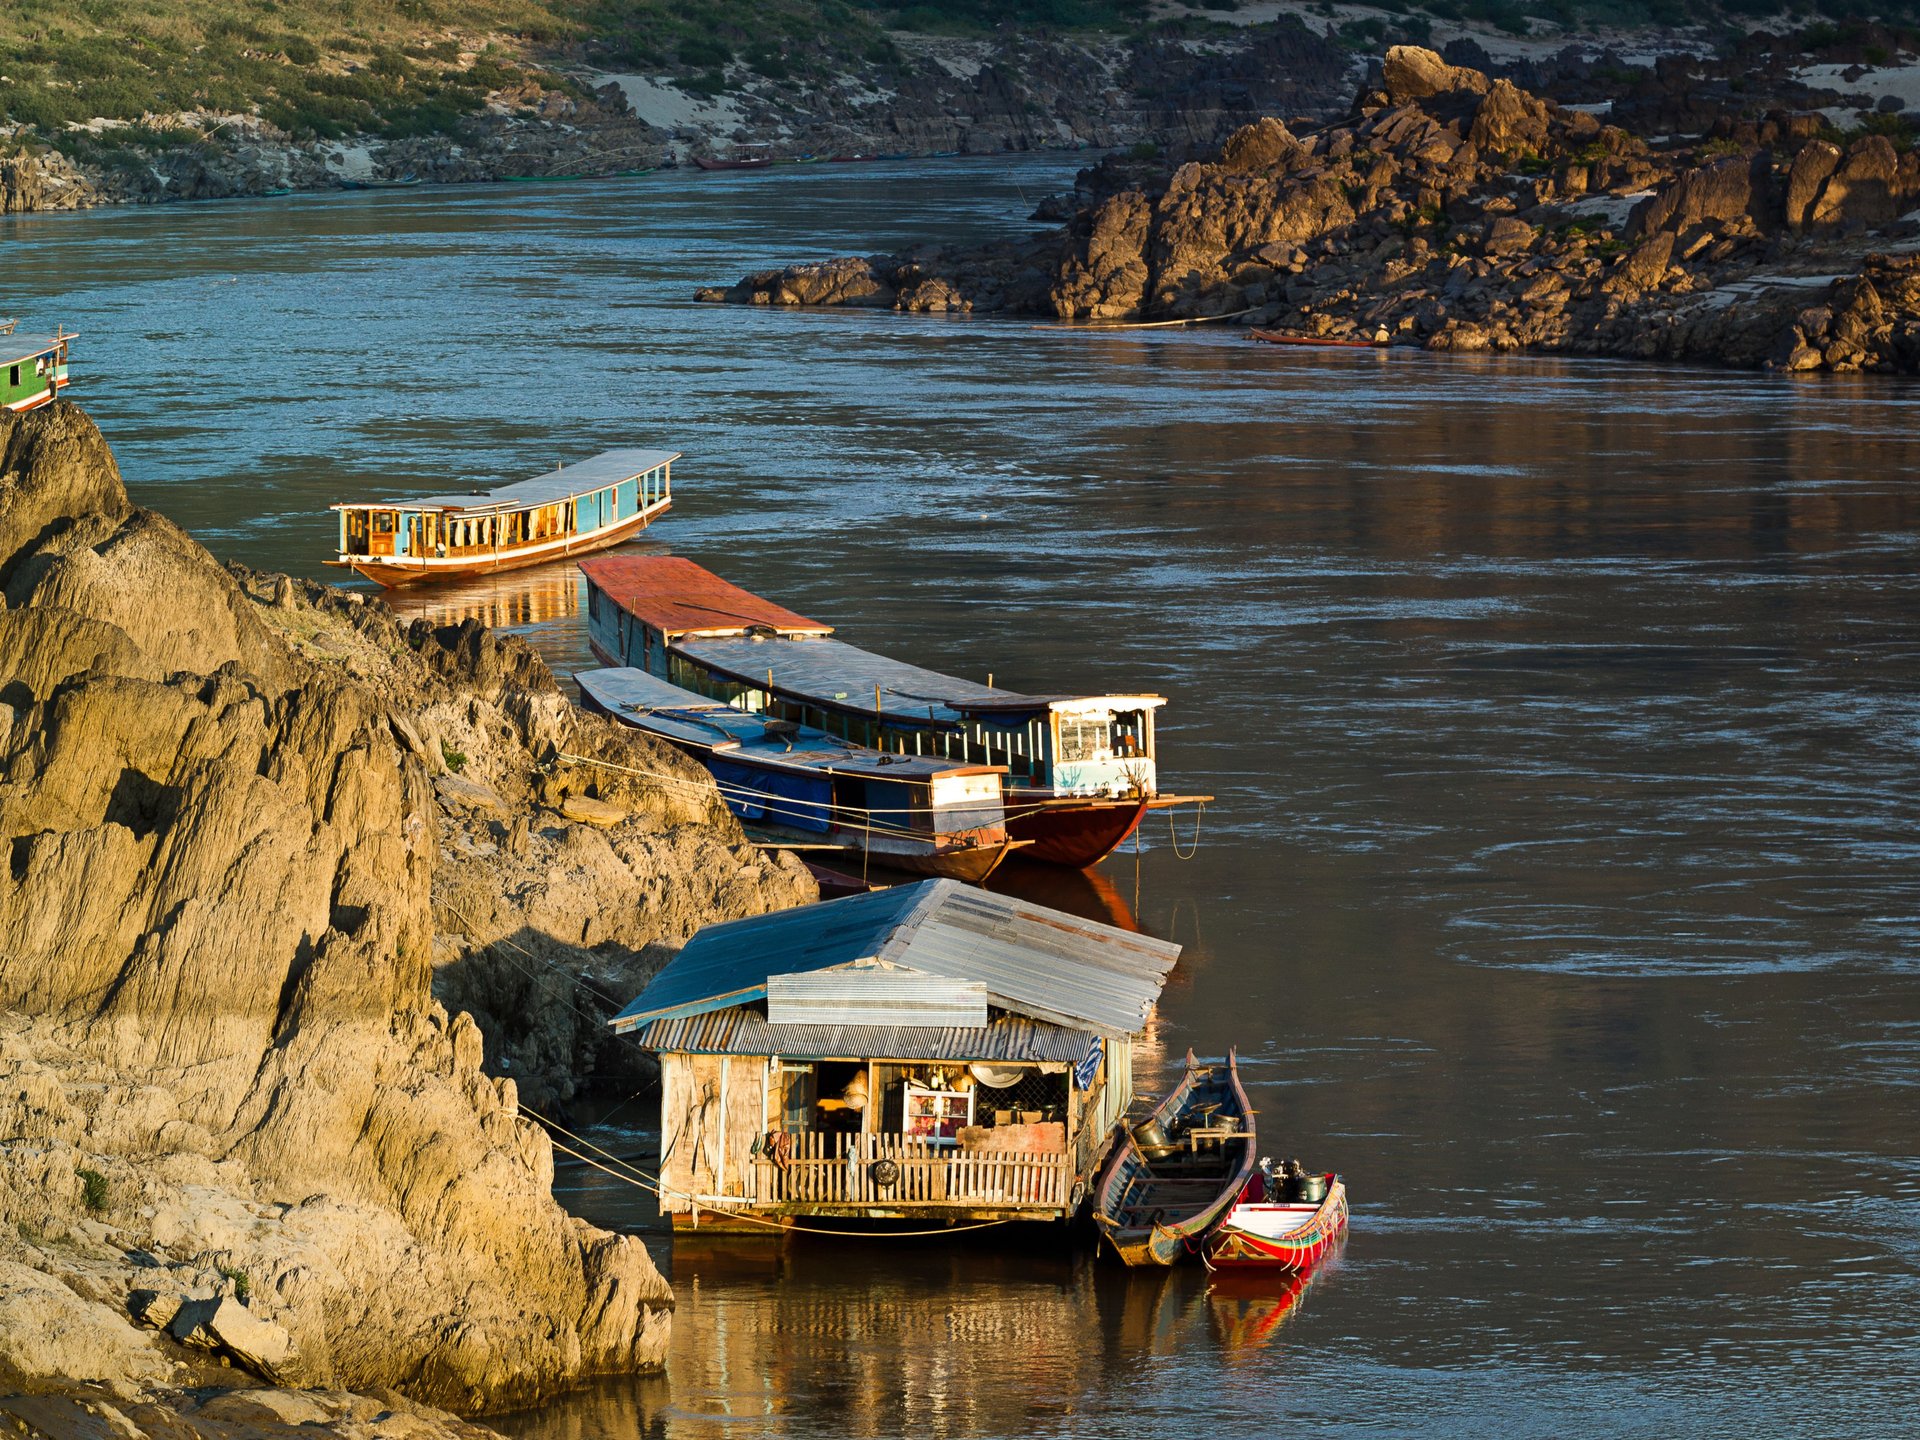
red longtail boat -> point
(1290, 1231)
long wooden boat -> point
(1081, 771)
(750, 162)
(1269, 1229)
(569, 511)
(33, 368)
(793, 782)
(1171, 1179)
(1279, 337)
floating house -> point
(1080, 769)
(797, 785)
(33, 368)
(930, 1051)
(570, 511)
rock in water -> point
(215, 966)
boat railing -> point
(842, 1169)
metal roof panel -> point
(1031, 960)
(743, 1031)
(676, 596)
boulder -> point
(1258, 147)
(1724, 190)
(1508, 236)
(47, 1332)
(472, 797)
(225, 1325)
(1411, 72)
(1864, 189)
(584, 810)
(1509, 121)
(1817, 160)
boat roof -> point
(1026, 959)
(833, 673)
(664, 709)
(610, 467)
(15, 348)
(677, 597)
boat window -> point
(13, 376)
(1083, 739)
(1130, 733)
(383, 522)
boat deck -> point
(664, 709)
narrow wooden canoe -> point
(1275, 337)
(1157, 1209)
(1278, 1235)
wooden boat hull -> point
(1275, 337)
(756, 164)
(1269, 1237)
(966, 855)
(1143, 1231)
(398, 574)
(1075, 833)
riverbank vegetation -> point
(377, 68)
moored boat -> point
(1285, 1220)
(1171, 1179)
(1280, 337)
(33, 368)
(1081, 770)
(790, 782)
(569, 511)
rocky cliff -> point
(236, 1127)
(1461, 212)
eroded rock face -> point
(224, 1079)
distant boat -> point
(1172, 1178)
(1081, 771)
(748, 162)
(33, 368)
(1283, 1221)
(795, 783)
(1277, 337)
(570, 511)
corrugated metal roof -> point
(610, 467)
(676, 596)
(742, 1031)
(834, 673)
(875, 996)
(1033, 961)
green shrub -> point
(456, 760)
(242, 1282)
(93, 1189)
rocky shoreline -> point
(244, 1139)
(1457, 211)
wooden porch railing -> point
(838, 1170)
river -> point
(1561, 890)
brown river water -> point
(1561, 889)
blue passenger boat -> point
(801, 785)
(1080, 768)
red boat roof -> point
(678, 597)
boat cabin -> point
(573, 509)
(33, 368)
(802, 785)
(676, 620)
(929, 1051)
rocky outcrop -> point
(231, 1108)
(1457, 212)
